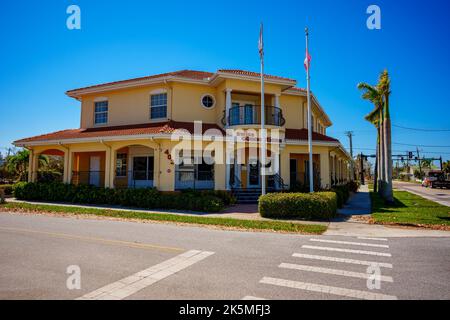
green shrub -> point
(7, 189)
(148, 198)
(343, 193)
(320, 205)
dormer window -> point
(158, 106)
(101, 112)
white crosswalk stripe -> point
(252, 298)
(375, 239)
(342, 260)
(376, 245)
(373, 253)
(325, 274)
(127, 286)
(337, 272)
(351, 293)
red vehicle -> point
(432, 176)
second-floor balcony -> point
(251, 115)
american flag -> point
(307, 62)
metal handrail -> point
(237, 183)
(279, 180)
(251, 114)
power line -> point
(419, 129)
(402, 151)
(418, 145)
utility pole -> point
(420, 166)
(361, 163)
(349, 134)
(440, 162)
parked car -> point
(432, 176)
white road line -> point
(252, 298)
(358, 294)
(376, 239)
(127, 286)
(372, 253)
(343, 260)
(363, 244)
(336, 272)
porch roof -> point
(126, 130)
(302, 134)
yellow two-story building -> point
(126, 134)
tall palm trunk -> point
(388, 194)
(377, 159)
(381, 162)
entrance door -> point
(293, 171)
(253, 175)
(94, 171)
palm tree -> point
(17, 164)
(372, 94)
(384, 88)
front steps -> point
(248, 196)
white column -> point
(30, 165)
(277, 100)
(227, 105)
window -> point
(234, 114)
(121, 165)
(158, 106)
(143, 168)
(208, 101)
(248, 114)
(101, 112)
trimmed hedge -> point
(320, 205)
(148, 198)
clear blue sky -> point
(41, 58)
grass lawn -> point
(279, 226)
(410, 209)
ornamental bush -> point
(320, 205)
(147, 198)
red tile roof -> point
(298, 89)
(188, 74)
(138, 129)
(252, 74)
(302, 134)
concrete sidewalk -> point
(358, 204)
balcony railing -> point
(133, 179)
(251, 115)
(96, 178)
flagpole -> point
(263, 121)
(311, 182)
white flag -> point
(261, 43)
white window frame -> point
(101, 112)
(213, 99)
(157, 93)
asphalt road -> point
(35, 251)
(441, 196)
